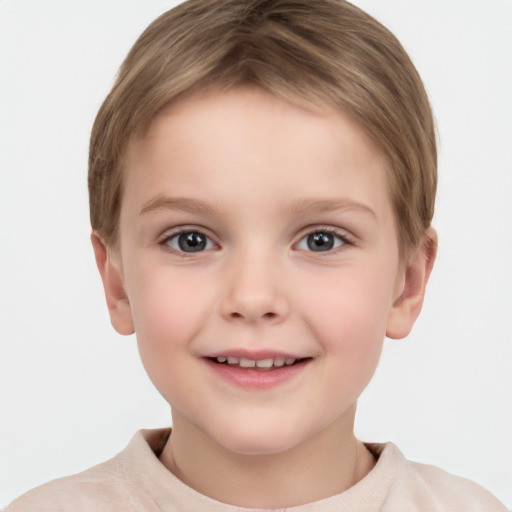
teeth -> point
(265, 363)
(243, 362)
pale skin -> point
(251, 225)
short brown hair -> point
(300, 50)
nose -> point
(254, 290)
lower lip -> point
(252, 378)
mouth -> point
(257, 370)
(267, 364)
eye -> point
(189, 241)
(321, 241)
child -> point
(262, 180)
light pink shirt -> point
(136, 481)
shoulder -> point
(431, 488)
(102, 488)
(89, 490)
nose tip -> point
(254, 294)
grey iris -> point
(192, 242)
(320, 241)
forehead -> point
(249, 139)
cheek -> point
(168, 310)
(348, 320)
(348, 311)
(161, 315)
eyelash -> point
(165, 240)
(343, 237)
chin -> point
(254, 439)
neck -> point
(325, 465)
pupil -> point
(320, 242)
(192, 242)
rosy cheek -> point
(170, 306)
(162, 323)
(348, 314)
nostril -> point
(268, 316)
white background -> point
(73, 391)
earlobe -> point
(111, 275)
(407, 306)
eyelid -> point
(342, 234)
(170, 233)
(346, 237)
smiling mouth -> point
(270, 363)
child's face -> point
(251, 228)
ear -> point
(407, 306)
(111, 275)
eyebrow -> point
(329, 205)
(177, 203)
(301, 206)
